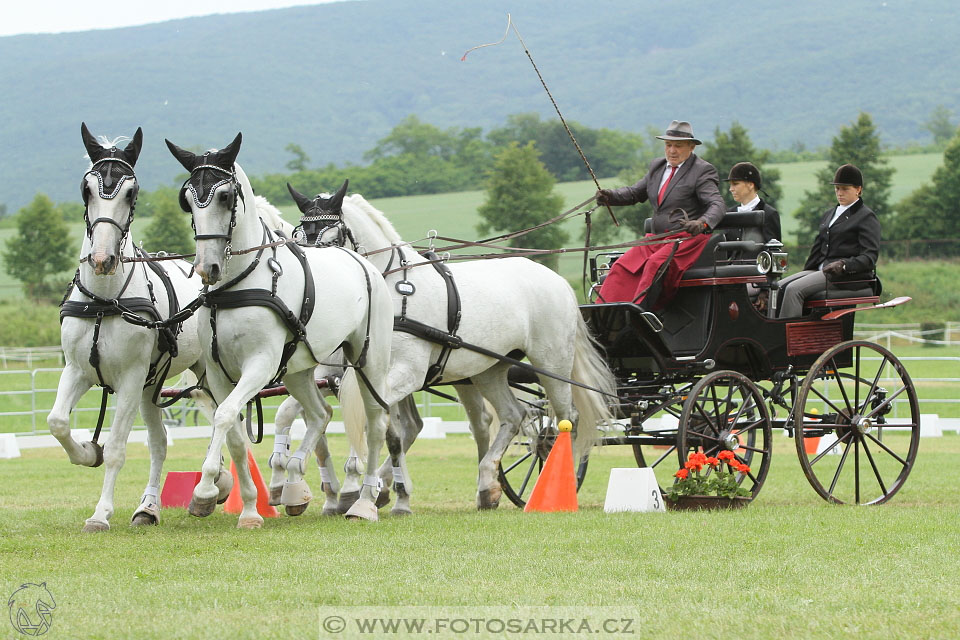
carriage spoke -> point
(526, 478)
(856, 377)
(826, 400)
(886, 402)
(876, 472)
(856, 469)
(664, 456)
(518, 462)
(887, 449)
(873, 385)
(843, 389)
(831, 448)
(836, 476)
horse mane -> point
(380, 220)
(267, 212)
(272, 216)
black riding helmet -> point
(848, 175)
(745, 172)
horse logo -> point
(30, 608)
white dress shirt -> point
(750, 206)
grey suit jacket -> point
(695, 188)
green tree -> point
(857, 144)
(300, 157)
(933, 210)
(70, 211)
(729, 148)
(41, 251)
(939, 125)
(519, 196)
(169, 228)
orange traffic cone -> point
(556, 488)
(234, 503)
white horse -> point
(102, 347)
(256, 324)
(509, 306)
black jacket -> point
(854, 238)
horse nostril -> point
(214, 272)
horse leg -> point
(148, 512)
(283, 422)
(73, 384)
(376, 428)
(237, 445)
(226, 419)
(316, 413)
(115, 449)
(329, 482)
(492, 384)
(352, 481)
(405, 425)
(208, 407)
(477, 414)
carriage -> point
(710, 373)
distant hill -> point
(335, 78)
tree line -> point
(518, 165)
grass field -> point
(789, 566)
(454, 214)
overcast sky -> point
(55, 16)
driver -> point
(685, 193)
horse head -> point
(211, 194)
(322, 220)
(109, 190)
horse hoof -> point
(363, 510)
(275, 493)
(94, 450)
(296, 495)
(485, 501)
(202, 507)
(295, 509)
(347, 500)
(145, 516)
(400, 511)
(250, 522)
(95, 526)
(332, 510)
(383, 499)
(224, 484)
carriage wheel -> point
(726, 411)
(662, 458)
(523, 461)
(843, 417)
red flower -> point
(698, 457)
(713, 462)
(682, 474)
(725, 455)
(744, 468)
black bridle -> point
(317, 221)
(236, 194)
(101, 182)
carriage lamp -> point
(773, 259)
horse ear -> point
(132, 150)
(337, 200)
(230, 152)
(184, 157)
(94, 148)
(303, 203)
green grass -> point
(789, 566)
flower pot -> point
(707, 503)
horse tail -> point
(594, 408)
(205, 403)
(354, 415)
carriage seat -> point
(866, 292)
(732, 249)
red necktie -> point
(663, 189)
